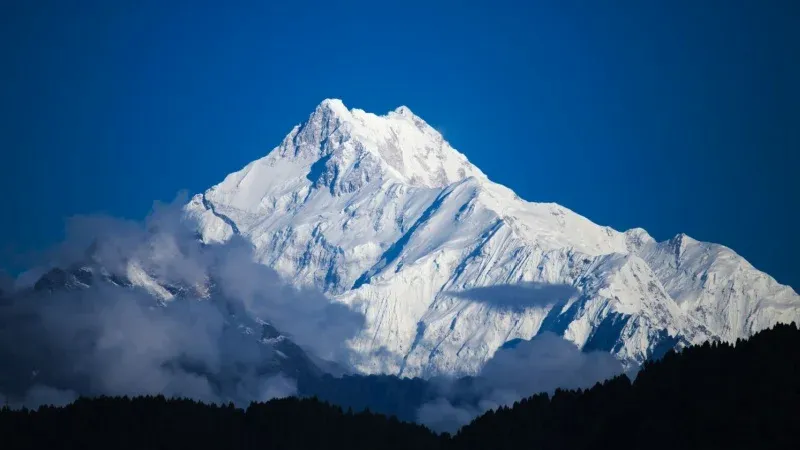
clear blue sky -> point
(676, 116)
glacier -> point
(381, 214)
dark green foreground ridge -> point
(745, 395)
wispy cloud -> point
(518, 296)
(116, 340)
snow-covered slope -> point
(382, 214)
(717, 287)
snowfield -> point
(382, 214)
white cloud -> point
(115, 340)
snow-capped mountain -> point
(383, 215)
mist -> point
(187, 325)
(542, 364)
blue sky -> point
(676, 116)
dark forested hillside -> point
(158, 423)
(400, 397)
(709, 396)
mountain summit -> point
(383, 215)
(348, 147)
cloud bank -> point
(160, 312)
(543, 364)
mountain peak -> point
(637, 238)
(338, 107)
(681, 241)
(333, 104)
(404, 111)
(353, 146)
(330, 110)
